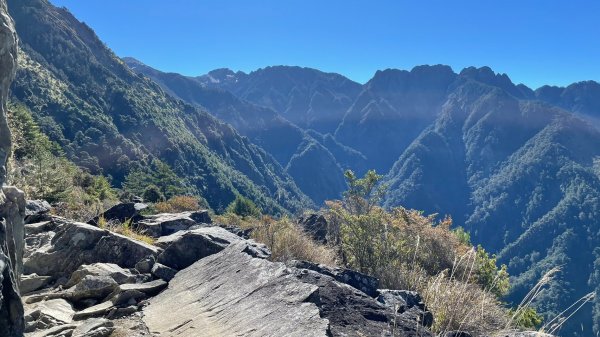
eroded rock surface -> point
(234, 294)
(365, 283)
(74, 244)
(238, 292)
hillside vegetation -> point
(110, 121)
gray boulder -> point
(128, 211)
(149, 288)
(92, 287)
(365, 283)
(94, 327)
(94, 311)
(65, 330)
(118, 274)
(163, 272)
(37, 211)
(145, 265)
(408, 304)
(131, 294)
(168, 223)
(183, 248)
(76, 244)
(351, 312)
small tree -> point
(243, 206)
(363, 193)
(359, 227)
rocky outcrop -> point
(11, 200)
(37, 211)
(408, 304)
(11, 309)
(12, 210)
(74, 244)
(206, 281)
(8, 65)
(48, 314)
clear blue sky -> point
(534, 41)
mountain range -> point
(518, 168)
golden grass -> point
(125, 229)
(286, 240)
(177, 204)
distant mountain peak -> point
(488, 76)
(418, 77)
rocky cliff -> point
(12, 202)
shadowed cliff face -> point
(8, 54)
(11, 229)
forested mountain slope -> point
(110, 120)
(520, 174)
(306, 155)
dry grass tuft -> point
(178, 204)
(286, 240)
(125, 229)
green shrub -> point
(407, 250)
(243, 207)
(528, 318)
(152, 194)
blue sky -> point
(535, 42)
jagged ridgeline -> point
(112, 121)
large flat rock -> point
(233, 293)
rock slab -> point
(235, 294)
